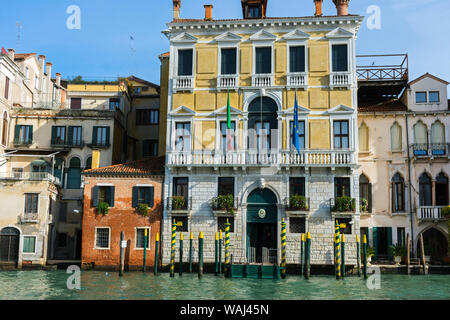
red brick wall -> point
(121, 217)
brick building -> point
(123, 187)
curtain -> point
(363, 138)
(396, 137)
(437, 133)
(420, 133)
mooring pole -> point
(308, 256)
(283, 249)
(220, 251)
(422, 254)
(145, 250)
(227, 248)
(408, 254)
(216, 255)
(122, 254)
(191, 240)
(338, 251)
(180, 266)
(156, 253)
(343, 256)
(358, 256)
(200, 255)
(302, 253)
(172, 250)
(365, 256)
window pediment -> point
(339, 33)
(297, 35)
(263, 35)
(228, 37)
(182, 111)
(184, 38)
(341, 109)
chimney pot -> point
(176, 9)
(11, 53)
(208, 11)
(49, 68)
(318, 4)
(342, 7)
(58, 79)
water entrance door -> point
(9, 245)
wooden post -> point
(283, 249)
(358, 256)
(308, 256)
(408, 254)
(156, 253)
(145, 250)
(343, 256)
(337, 236)
(365, 256)
(172, 249)
(220, 251)
(227, 248)
(122, 254)
(200, 255)
(302, 253)
(180, 266)
(191, 251)
(422, 253)
(216, 255)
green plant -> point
(298, 202)
(370, 251)
(397, 250)
(103, 208)
(143, 209)
(224, 202)
(178, 202)
(364, 205)
(344, 204)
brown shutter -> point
(75, 103)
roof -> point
(381, 106)
(148, 83)
(147, 167)
(181, 20)
(428, 75)
(23, 56)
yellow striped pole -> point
(227, 248)
(343, 256)
(283, 249)
(337, 237)
(365, 256)
(358, 256)
(156, 253)
(172, 251)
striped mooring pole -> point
(191, 240)
(180, 266)
(283, 249)
(308, 256)
(144, 264)
(220, 251)
(172, 250)
(216, 255)
(358, 256)
(156, 253)
(227, 248)
(302, 253)
(343, 256)
(200, 255)
(337, 238)
(365, 256)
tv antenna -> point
(19, 28)
(132, 50)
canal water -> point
(106, 286)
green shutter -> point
(389, 237)
(30, 140)
(375, 239)
(152, 196)
(370, 197)
(95, 192)
(17, 134)
(94, 136)
(35, 203)
(135, 196)
(111, 196)
(70, 136)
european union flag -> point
(296, 133)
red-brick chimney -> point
(318, 4)
(176, 9)
(208, 11)
(342, 7)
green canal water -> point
(31, 285)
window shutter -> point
(152, 196)
(94, 136)
(134, 201)
(111, 196)
(53, 134)
(81, 135)
(370, 198)
(107, 135)
(17, 134)
(389, 236)
(31, 134)
(95, 193)
(35, 203)
(375, 239)
(70, 136)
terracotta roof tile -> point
(381, 106)
(146, 167)
(23, 56)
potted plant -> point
(103, 208)
(143, 209)
(364, 205)
(398, 251)
(370, 254)
(178, 202)
(344, 204)
(224, 202)
(446, 214)
(297, 202)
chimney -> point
(208, 12)
(342, 7)
(58, 79)
(95, 159)
(176, 9)
(49, 69)
(318, 4)
(11, 54)
(42, 63)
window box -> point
(343, 205)
(224, 205)
(297, 203)
(179, 205)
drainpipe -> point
(411, 211)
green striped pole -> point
(283, 249)
(156, 253)
(343, 256)
(302, 253)
(172, 250)
(365, 256)
(200, 255)
(180, 266)
(358, 256)
(191, 240)
(220, 251)
(144, 265)
(216, 256)
(227, 248)
(308, 256)
(338, 251)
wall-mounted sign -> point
(123, 244)
(262, 213)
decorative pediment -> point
(339, 33)
(263, 35)
(228, 37)
(184, 37)
(301, 110)
(341, 109)
(223, 111)
(297, 35)
(182, 111)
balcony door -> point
(441, 190)
(425, 190)
(263, 125)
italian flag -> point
(229, 138)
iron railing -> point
(289, 206)
(430, 149)
(172, 205)
(383, 72)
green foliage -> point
(143, 209)
(224, 202)
(446, 212)
(103, 208)
(370, 251)
(178, 202)
(364, 205)
(79, 80)
(344, 204)
(298, 202)
(397, 250)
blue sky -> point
(101, 48)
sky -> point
(101, 48)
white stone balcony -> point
(183, 83)
(29, 218)
(340, 80)
(225, 82)
(430, 213)
(29, 176)
(297, 80)
(262, 80)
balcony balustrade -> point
(430, 213)
(183, 83)
(297, 80)
(262, 80)
(430, 150)
(29, 218)
(30, 176)
(340, 79)
(227, 82)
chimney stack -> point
(176, 9)
(58, 79)
(342, 7)
(95, 159)
(49, 69)
(208, 12)
(11, 53)
(318, 4)
(42, 62)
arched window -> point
(262, 122)
(420, 139)
(365, 193)
(74, 174)
(438, 139)
(425, 190)
(363, 134)
(398, 193)
(441, 190)
(5, 129)
(396, 137)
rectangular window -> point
(254, 12)
(17, 173)
(31, 202)
(185, 62)
(297, 186)
(341, 187)
(297, 225)
(23, 134)
(226, 134)
(143, 195)
(226, 186)
(140, 238)
(341, 134)
(106, 194)
(180, 187)
(433, 96)
(344, 225)
(147, 117)
(58, 135)
(149, 148)
(182, 224)
(75, 103)
(183, 136)
(75, 136)
(301, 134)
(263, 136)
(297, 59)
(101, 136)
(29, 244)
(114, 103)
(421, 97)
(263, 60)
(401, 238)
(102, 238)
(229, 61)
(221, 223)
(340, 58)
(7, 88)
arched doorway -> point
(435, 245)
(262, 217)
(9, 245)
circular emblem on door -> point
(262, 213)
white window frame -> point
(347, 42)
(35, 243)
(109, 238)
(175, 63)
(301, 117)
(148, 237)
(227, 45)
(439, 96)
(264, 44)
(296, 43)
(174, 133)
(426, 97)
(351, 119)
